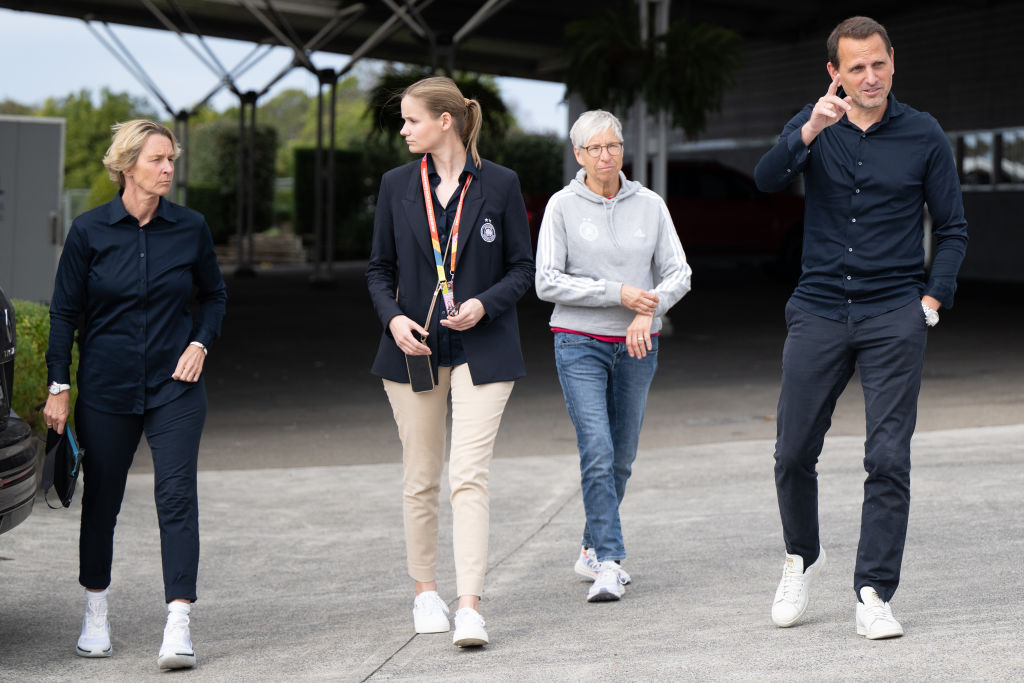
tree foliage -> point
(13, 108)
(87, 129)
(213, 176)
(685, 72)
(293, 113)
(384, 105)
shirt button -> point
(849, 277)
(788, 170)
(863, 135)
(851, 248)
(142, 254)
(849, 301)
(857, 191)
(860, 163)
(853, 220)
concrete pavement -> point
(302, 576)
(302, 572)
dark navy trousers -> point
(173, 431)
(818, 360)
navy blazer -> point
(495, 266)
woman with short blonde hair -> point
(129, 138)
(126, 275)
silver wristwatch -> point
(931, 316)
(56, 388)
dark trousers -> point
(172, 431)
(818, 360)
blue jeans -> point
(606, 394)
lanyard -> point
(446, 287)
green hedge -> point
(214, 174)
(537, 159)
(30, 374)
(353, 221)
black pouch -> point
(421, 373)
(63, 461)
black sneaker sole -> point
(603, 596)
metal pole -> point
(640, 113)
(661, 155)
(318, 186)
(182, 175)
(240, 187)
(331, 180)
(251, 179)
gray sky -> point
(43, 56)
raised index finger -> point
(834, 85)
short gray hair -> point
(590, 123)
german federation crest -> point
(487, 230)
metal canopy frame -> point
(528, 42)
(278, 18)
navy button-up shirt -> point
(127, 289)
(449, 342)
(864, 196)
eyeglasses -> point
(614, 149)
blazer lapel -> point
(416, 215)
(469, 223)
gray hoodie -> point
(590, 246)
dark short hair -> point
(858, 28)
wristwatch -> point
(56, 388)
(931, 316)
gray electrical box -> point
(31, 232)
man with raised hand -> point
(864, 301)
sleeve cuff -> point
(613, 293)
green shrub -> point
(535, 157)
(30, 374)
(353, 223)
(217, 204)
(214, 175)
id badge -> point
(450, 307)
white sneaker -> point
(430, 613)
(874, 617)
(176, 650)
(469, 628)
(95, 638)
(792, 594)
(607, 585)
(588, 567)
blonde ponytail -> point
(439, 95)
(471, 131)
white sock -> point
(97, 597)
(176, 607)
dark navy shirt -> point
(449, 342)
(864, 196)
(127, 289)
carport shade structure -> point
(516, 38)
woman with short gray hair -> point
(609, 258)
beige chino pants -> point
(476, 416)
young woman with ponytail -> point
(451, 228)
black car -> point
(17, 447)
